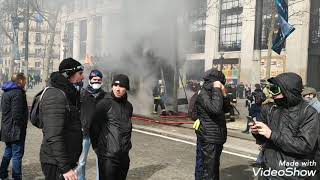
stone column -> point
(90, 37)
(76, 40)
(212, 36)
(249, 65)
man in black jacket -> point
(59, 110)
(111, 135)
(212, 132)
(92, 94)
(13, 125)
(288, 130)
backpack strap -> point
(64, 94)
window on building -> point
(315, 26)
(24, 36)
(98, 33)
(23, 51)
(266, 23)
(37, 64)
(83, 38)
(197, 27)
(38, 26)
(230, 25)
(38, 52)
(69, 35)
(38, 38)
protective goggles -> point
(274, 90)
(76, 69)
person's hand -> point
(223, 89)
(70, 175)
(217, 84)
(254, 129)
(263, 129)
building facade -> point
(39, 35)
(230, 39)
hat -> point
(70, 66)
(95, 73)
(308, 90)
(214, 75)
(121, 80)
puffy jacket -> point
(111, 134)
(62, 136)
(14, 113)
(295, 127)
(88, 102)
(209, 110)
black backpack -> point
(35, 118)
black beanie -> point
(95, 73)
(122, 80)
(70, 66)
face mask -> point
(308, 99)
(281, 102)
(96, 86)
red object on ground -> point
(150, 120)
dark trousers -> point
(158, 102)
(51, 172)
(115, 168)
(14, 151)
(207, 160)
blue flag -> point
(285, 29)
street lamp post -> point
(221, 60)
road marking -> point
(191, 143)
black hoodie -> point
(62, 136)
(295, 127)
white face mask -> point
(96, 86)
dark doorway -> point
(313, 71)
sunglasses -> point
(274, 90)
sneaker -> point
(154, 112)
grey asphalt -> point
(151, 158)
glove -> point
(196, 124)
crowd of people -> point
(283, 117)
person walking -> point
(92, 94)
(59, 111)
(111, 132)
(14, 125)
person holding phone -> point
(289, 129)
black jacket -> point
(209, 110)
(62, 136)
(111, 134)
(88, 102)
(14, 113)
(295, 128)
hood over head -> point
(10, 85)
(211, 76)
(291, 87)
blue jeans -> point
(86, 142)
(14, 150)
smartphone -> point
(250, 120)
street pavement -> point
(154, 157)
